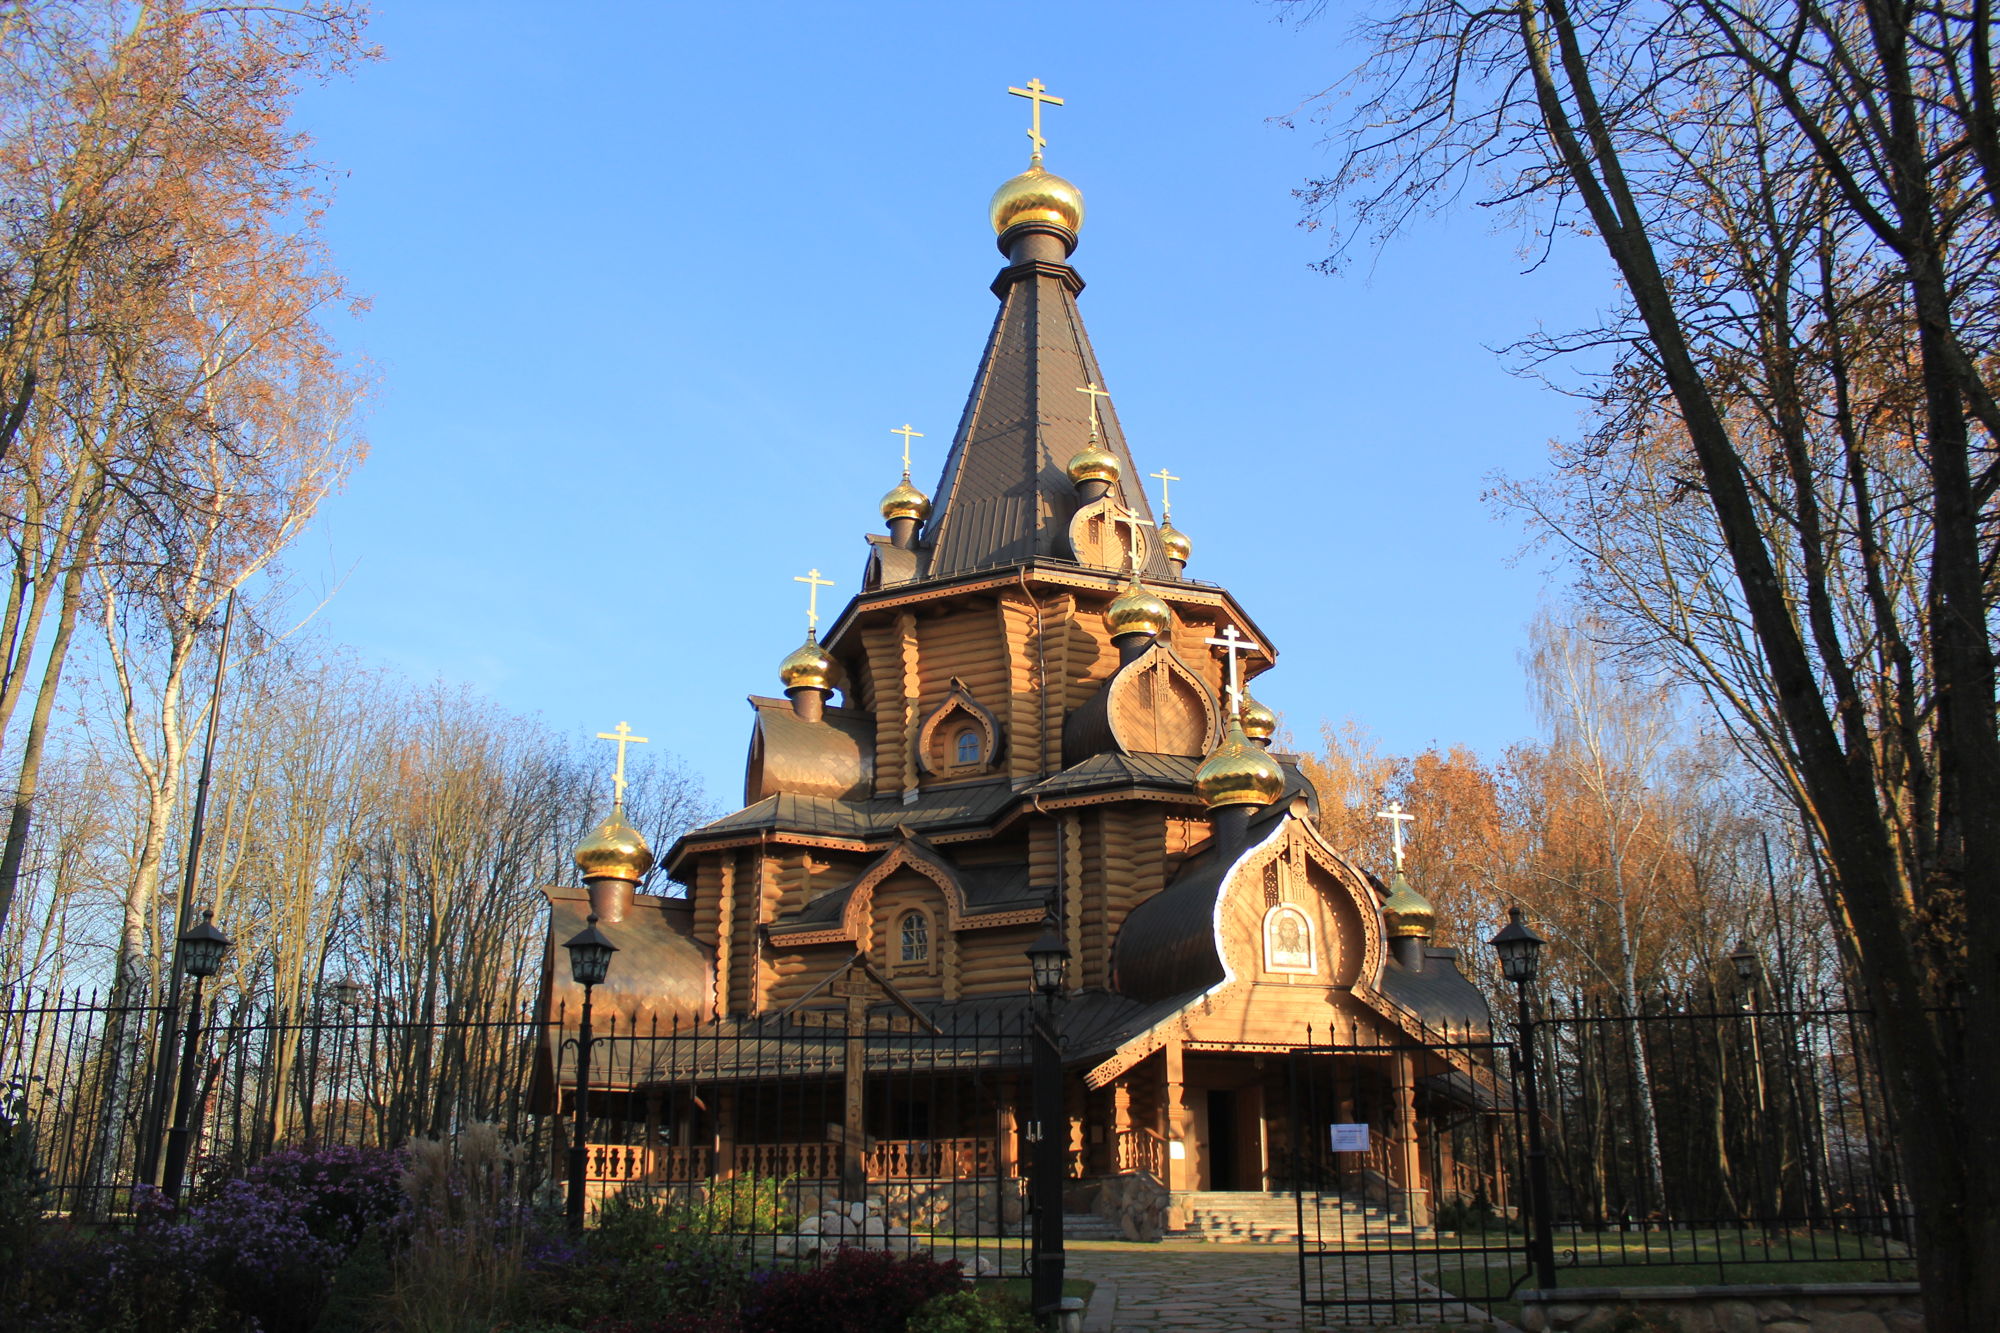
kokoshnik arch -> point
(1038, 710)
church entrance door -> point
(1222, 1151)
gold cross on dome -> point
(1233, 642)
(1125, 518)
(908, 435)
(1166, 496)
(1397, 817)
(1037, 93)
(623, 735)
(814, 583)
(1095, 394)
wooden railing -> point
(886, 1159)
(632, 1163)
(1142, 1150)
(930, 1159)
(807, 1161)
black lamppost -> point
(202, 947)
(1048, 956)
(1750, 972)
(589, 961)
(1520, 949)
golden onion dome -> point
(807, 667)
(1259, 722)
(1137, 610)
(1407, 911)
(614, 850)
(1094, 462)
(906, 501)
(1238, 773)
(1175, 542)
(1037, 196)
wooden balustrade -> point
(930, 1159)
(633, 1163)
(886, 1159)
(1142, 1150)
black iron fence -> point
(1716, 1132)
(793, 1134)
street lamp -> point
(589, 962)
(1749, 967)
(1048, 957)
(1520, 957)
(202, 948)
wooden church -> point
(1030, 708)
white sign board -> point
(1177, 1151)
(1350, 1138)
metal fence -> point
(793, 1134)
(1709, 1131)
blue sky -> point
(651, 284)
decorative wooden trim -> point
(906, 633)
(958, 699)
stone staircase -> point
(1259, 1217)
(1089, 1226)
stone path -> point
(1174, 1285)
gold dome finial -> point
(807, 667)
(614, 850)
(1238, 773)
(1408, 913)
(1259, 722)
(1137, 610)
(1094, 462)
(906, 501)
(1036, 195)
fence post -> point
(1049, 1138)
(1541, 1240)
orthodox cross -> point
(1233, 642)
(1166, 496)
(908, 435)
(1397, 817)
(813, 583)
(1037, 93)
(1095, 394)
(623, 735)
(1126, 518)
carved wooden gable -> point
(1296, 912)
(1156, 704)
(1107, 535)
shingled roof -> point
(1005, 494)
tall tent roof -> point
(1005, 494)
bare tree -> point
(1800, 202)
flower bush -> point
(970, 1312)
(858, 1291)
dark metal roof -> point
(834, 756)
(1172, 771)
(1167, 945)
(985, 888)
(862, 819)
(1440, 994)
(1004, 494)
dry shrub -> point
(460, 1266)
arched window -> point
(916, 937)
(967, 746)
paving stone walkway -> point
(1176, 1285)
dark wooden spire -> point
(1005, 494)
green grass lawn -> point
(1684, 1259)
(1017, 1289)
